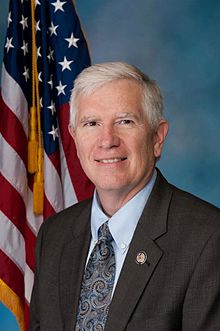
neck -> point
(112, 201)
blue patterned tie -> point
(97, 284)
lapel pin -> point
(141, 257)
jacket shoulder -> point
(65, 220)
(194, 211)
(186, 207)
(188, 200)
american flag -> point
(61, 53)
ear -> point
(159, 137)
(72, 131)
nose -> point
(108, 138)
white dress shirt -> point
(121, 225)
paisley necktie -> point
(97, 284)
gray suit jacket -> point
(178, 288)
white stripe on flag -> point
(52, 185)
(68, 189)
(13, 168)
(34, 221)
(28, 281)
(14, 98)
(12, 242)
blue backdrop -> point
(177, 43)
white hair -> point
(97, 75)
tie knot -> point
(104, 233)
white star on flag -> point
(38, 52)
(37, 26)
(8, 44)
(72, 41)
(26, 73)
(39, 77)
(9, 18)
(37, 2)
(50, 82)
(50, 55)
(54, 132)
(24, 22)
(53, 28)
(65, 64)
(52, 107)
(25, 47)
(58, 5)
(60, 88)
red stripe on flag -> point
(12, 275)
(48, 209)
(17, 214)
(13, 131)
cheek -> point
(146, 154)
(83, 147)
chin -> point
(107, 185)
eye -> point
(126, 122)
(90, 123)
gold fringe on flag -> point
(33, 140)
(38, 189)
(13, 303)
(35, 150)
(32, 143)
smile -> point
(112, 160)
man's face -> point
(114, 142)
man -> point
(163, 245)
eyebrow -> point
(87, 118)
(125, 114)
(117, 115)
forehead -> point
(122, 94)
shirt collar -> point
(123, 223)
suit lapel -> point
(72, 265)
(134, 277)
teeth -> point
(111, 160)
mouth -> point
(111, 160)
